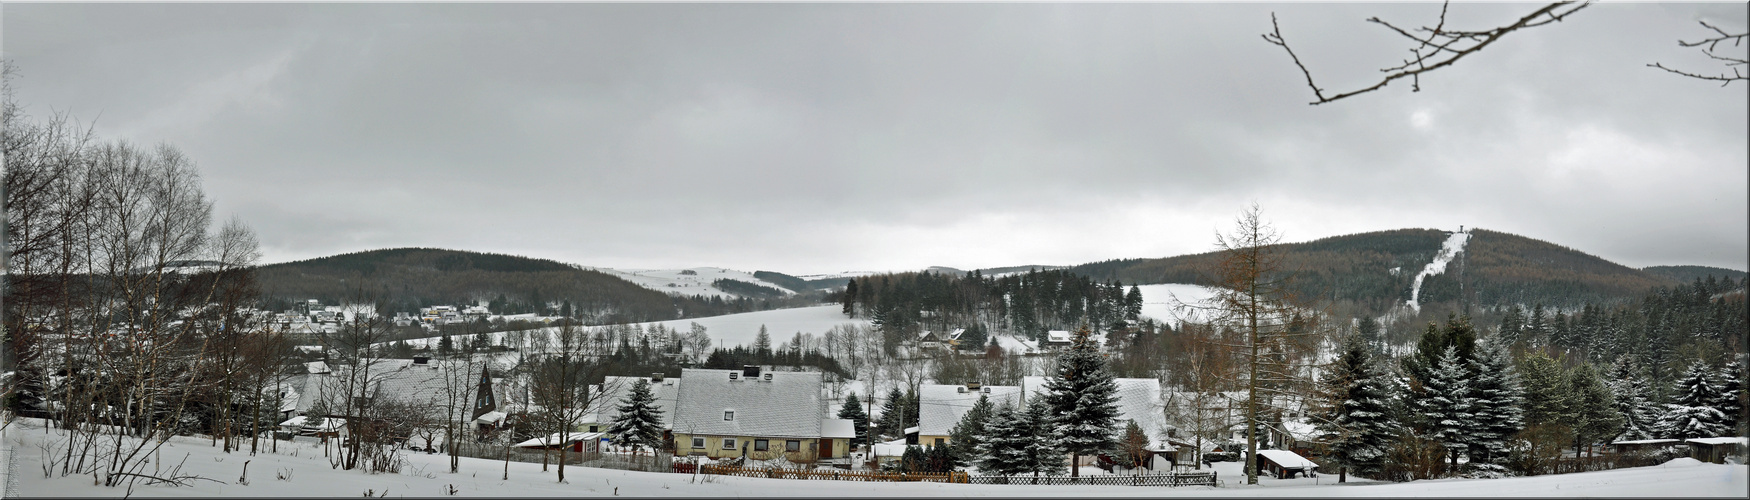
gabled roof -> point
(788, 405)
(1139, 399)
(835, 428)
(940, 407)
(1057, 336)
(1286, 459)
(666, 392)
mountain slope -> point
(1376, 270)
(404, 279)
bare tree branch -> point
(1438, 47)
(1735, 63)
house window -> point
(729, 415)
(593, 428)
(759, 445)
(793, 445)
(728, 443)
(698, 442)
(939, 441)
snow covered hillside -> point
(306, 473)
(693, 281)
(740, 329)
(1162, 302)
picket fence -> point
(820, 474)
(1172, 479)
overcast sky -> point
(819, 138)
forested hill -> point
(1375, 271)
(404, 279)
(1688, 274)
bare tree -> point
(1710, 46)
(1261, 321)
(1435, 47)
(561, 380)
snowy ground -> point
(694, 281)
(1448, 250)
(1163, 302)
(427, 476)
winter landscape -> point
(875, 250)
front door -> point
(825, 448)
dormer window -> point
(728, 415)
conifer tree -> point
(1044, 452)
(1133, 303)
(891, 413)
(965, 436)
(1692, 414)
(639, 423)
(1499, 399)
(1595, 415)
(1084, 399)
(1003, 443)
(762, 344)
(853, 410)
(1445, 402)
(912, 461)
(849, 299)
(1354, 408)
(1731, 399)
(1134, 445)
(1628, 387)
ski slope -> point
(1448, 250)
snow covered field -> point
(427, 476)
(1161, 302)
(694, 281)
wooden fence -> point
(1601, 462)
(821, 474)
(1174, 479)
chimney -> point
(750, 370)
(973, 385)
(656, 377)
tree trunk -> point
(1342, 474)
(1075, 464)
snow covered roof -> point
(327, 424)
(667, 392)
(940, 407)
(892, 448)
(491, 417)
(1286, 459)
(788, 405)
(835, 428)
(1139, 399)
(1721, 440)
(1057, 336)
(316, 367)
(911, 430)
(1647, 441)
(1301, 429)
(560, 438)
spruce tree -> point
(639, 423)
(1499, 399)
(1003, 443)
(1445, 402)
(853, 410)
(891, 412)
(849, 298)
(1628, 387)
(1595, 414)
(1730, 402)
(1084, 399)
(1133, 304)
(963, 440)
(1355, 409)
(1693, 415)
(1044, 452)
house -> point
(929, 340)
(757, 414)
(1716, 449)
(618, 388)
(1056, 339)
(418, 382)
(954, 339)
(1284, 464)
(940, 407)
(1642, 445)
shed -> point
(1284, 464)
(1716, 449)
(1641, 445)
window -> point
(793, 445)
(759, 445)
(593, 428)
(728, 443)
(698, 442)
(729, 415)
(939, 441)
